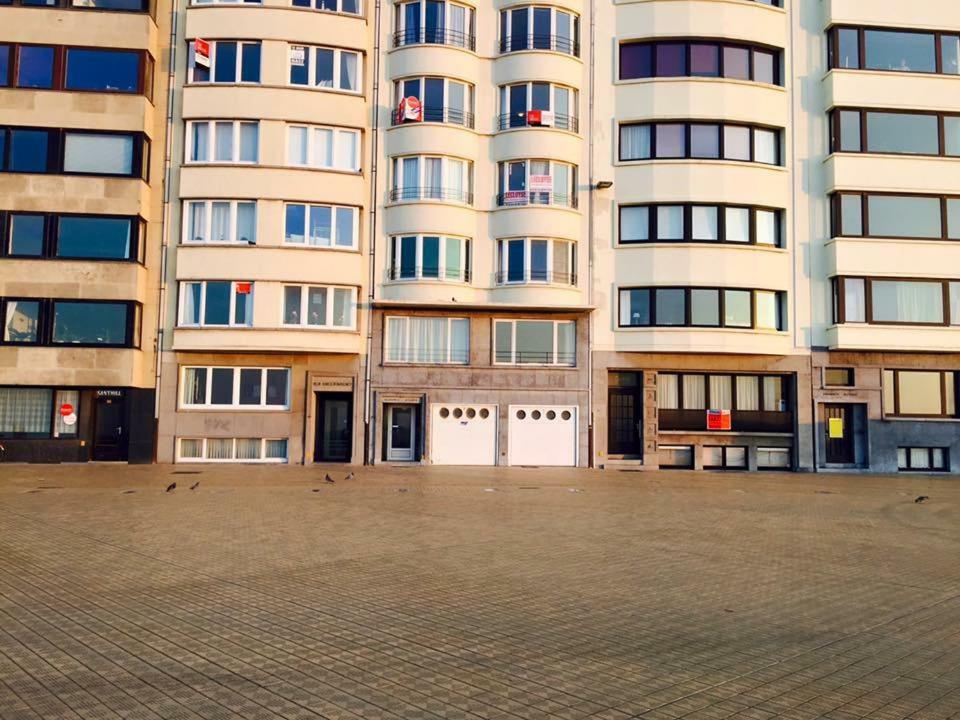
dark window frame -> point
(54, 412)
(688, 224)
(895, 411)
(51, 237)
(148, 7)
(836, 216)
(838, 291)
(132, 330)
(238, 62)
(720, 43)
(835, 135)
(56, 147)
(930, 468)
(851, 376)
(688, 307)
(723, 458)
(721, 125)
(833, 47)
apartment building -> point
(82, 116)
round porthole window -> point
(444, 413)
(565, 415)
(521, 414)
(484, 413)
(551, 415)
(458, 413)
(535, 414)
(471, 413)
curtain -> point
(451, 261)
(346, 150)
(737, 221)
(634, 223)
(670, 222)
(457, 22)
(561, 261)
(220, 222)
(704, 219)
(767, 310)
(220, 448)
(721, 392)
(324, 68)
(191, 448)
(25, 410)
(765, 146)
(955, 303)
(855, 300)
(247, 222)
(348, 71)
(199, 152)
(561, 107)
(566, 343)
(249, 141)
(344, 234)
(560, 182)
(668, 393)
(341, 307)
(907, 302)
(191, 303)
(317, 306)
(693, 392)
(275, 449)
(108, 154)
(429, 339)
(767, 227)
(432, 177)
(297, 146)
(248, 448)
(398, 349)
(748, 392)
(411, 177)
(197, 212)
(459, 340)
(773, 394)
(223, 142)
(194, 386)
(322, 148)
(634, 142)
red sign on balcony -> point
(410, 110)
(718, 420)
(201, 53)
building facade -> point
(708, 234)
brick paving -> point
(470, 594)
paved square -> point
(467, 594)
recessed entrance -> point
(843, 423)
(110, 428)
(625, 414)
(401, 432)
(334, 427)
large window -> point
(54, 67)
(700, 58)
(222, 141)
(536, 260)
(703, 307)
(536, 182)
(349, 7)
(884, 301)
(231, 61)
(442, 100)
(539, 104)
(324, 226)
(923, 459)
(539, 28)
(920, 393)
(894, 50)
(700, 141)
(323, 148)
(425, 177)
(429, 257)
(315, 306)
(87, 237)
(241, 450)
(325, 68)
(238, 387)
(901, 133)
(41, 150)
(701, 223)
(427, 340)
(216, 303)
(921, 217)
(535, 342)
(220, 221)
(756, 402)
(434, 22)
(28, 412)
(112, 5)
(70, 322)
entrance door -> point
(401, 432)
(839, 427)
(109, 430)
(334, 427)
(625, 421)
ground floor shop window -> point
(717, 457)
(756, 402)
(26, 412)
(232, 450)
(923, 458)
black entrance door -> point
(334, 427)
(625, 421)
(839, 427)
(110, 429)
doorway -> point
(334, 428)
(110, 430)
(625, 414)
(401, 432)
(838, 422)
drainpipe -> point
(591, 445)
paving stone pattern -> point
(470, 594)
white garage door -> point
(463, 434)
(542, 435)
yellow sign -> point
(836, 428)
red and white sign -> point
(66, 409)
(410, 110)
(540, 117)
(201, 53)
(718, 419)
(541, 183)
(67, 414)
(243, 288)
(515, 197)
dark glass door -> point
(109, 430)
(839, 428)
(334, 427)
(625, 421)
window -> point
(429, 257)
(320, 226)
(702, 307)
(226, 2)
(920, 393)
(442, 100)
(540, 104)
(756, 402)
(220, 221)
(104, 70)
(223, 141)
(724, 457)
(675, 457)
(701, 223)
(323, 148)
(773, 458)
(427, 340)
(100, 154)
(904, 133)
(21, 322)
(434, 22)
(266, 450)
(535, 342)
(539, 28)
(70, 322)
(27, 234)
(537, 182)
(701, 141)
(838, 377)
(897, 302)
(918, 217)
(699, 58)
(536, 260)
(893, 50)
(27, 150)
(213, 303)
(91, 237)
(33, 150)
(923, 459)
(319, 306)
(26, 412)
(231, 61)
(242, 388)
(35, 67)
(350, 7)
(325, 68)
(423, 177)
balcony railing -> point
(434, 36)
(520, 120)
(431, 193)
(740, 420)
(427, 272)
(529, 276)
(519, 198)
(557, 43)
(449, 115)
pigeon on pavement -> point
(195, 485)
(171, 487)
(328, 479)
(922, 498)
(349, 477)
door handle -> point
(119, 429)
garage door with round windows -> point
(463, 434)
(542, 435)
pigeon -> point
(129, 492)
(401, 490)
(171, 487)
(195, 485)
(922, 498)
(349, 477)
(328, 479)
(316, 490)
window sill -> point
(707, 80)
(549, 128)
(538, 51)
(701, 244)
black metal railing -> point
(427, 357)
(740, 420)
(450, 115)
(535, 357)
(522, 197)
(434, 36)
(427, 272)
(530, 276)
(557, 43)
(431, 193)
(519, 119)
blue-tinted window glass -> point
(26, 235)
(217, 308)
(90, 323)
(519, 20)
(36, 67)
(636, 61)
(225, 69)
(221, 386)
(904, 51)
(515, 261)
(431, 257)
(3, 148)
(408, 257)
(638, 312)
(671, 60)
(28, 150)
(300, 73)
(22, 321)
(296, 221)
(250, 63)
(109, 70)
(92, 237)
(4, 65)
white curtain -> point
(737, 221)
(767, 222)
(347, 150)
(248, 448)
(748, 392)
(199, 152)
(398, 349)
(191, 448)
(634, 142)
(955, 303)
(670, 222)
(429, 339)
(297, 141)
(25, 410)
(411, 177)
(197, 212)
(220, 222)
(247, 222)
(693, 393)
(459, 340)
(344, 234)
(224, 142)
(191, 303)
(767, 311)
(107, 154)
(855, 300)
(668, 391)
(341, 307)
(275, 449)
(220, 448)
(765, 146)
(322, 148)
(721, 392)
(249, 141)
(634, 223)
(773, 394)
(907, 302)
(194, 386)
(348, 71)
(432, 176)
(704, 219)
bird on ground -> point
(171, 487)
(328, 479)
(129, 492)
(316, 490)
(922, 498)
(195, 485)
(349, 477)
(401, 490)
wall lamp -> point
(604, 184)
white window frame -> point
(354, 165)
(407, 330)
(396, 240)
(235, 401)
(506, 89)
(468, 95)
(503, 260)
(213, 63)
(313, 6)
(445, 161)
(470, 20)
(513, 342)
(188, 203)
(304, 301)
(310, 57)
(212, 142)
(506, 17)
(333, 245)
(226, 2)
(573, 173)
(233, 459)
(184, 284)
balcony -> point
(555, 43)
(509, 121)
(407, 194)
(535, 276)
(524, 198)
(446, 115)
(435, 36)
(740, 421)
